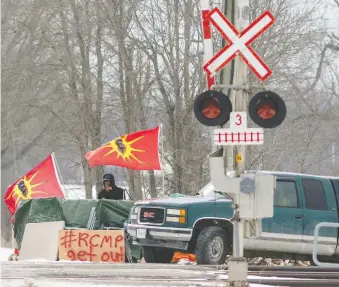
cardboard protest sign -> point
(92, 245)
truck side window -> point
(314, 194)
(286, 194)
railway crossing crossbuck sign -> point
(239, 43)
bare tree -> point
(176, 63)
(295, 48)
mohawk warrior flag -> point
(138, 151)
(41, 182)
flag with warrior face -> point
(40, 182)
(138, 151)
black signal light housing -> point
(267, 109)
(212, 108)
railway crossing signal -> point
(213, 108)
(267, 109)
(252, 197)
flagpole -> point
(162, 157)
(58, 174)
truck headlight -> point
(181, 212)
(176, 215)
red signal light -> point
(212, 108)
(267, 109)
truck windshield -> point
(209, 191)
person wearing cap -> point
(110, 190)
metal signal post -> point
(253, 195)
(238, 264)
(241, 72)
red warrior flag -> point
(42, 181)
(138, 151)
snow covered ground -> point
(51, 282)
(44, 283)
(5, 253)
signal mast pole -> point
(226, 78)
(238, 266)
(241, 72)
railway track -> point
(165, 274)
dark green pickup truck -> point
(202, 224)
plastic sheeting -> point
(75, 213)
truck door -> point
(287, 223)
(320, 206)
(286, 226)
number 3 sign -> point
(238, 120)
(238, 133)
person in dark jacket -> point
(110, 190)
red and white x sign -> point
(239, 43)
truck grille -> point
(152, 215)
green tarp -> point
(75, 213)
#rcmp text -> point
(92, 245)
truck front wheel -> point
(157, 254)
(211, 247)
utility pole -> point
(227, 78)
(241, 72)
(238, 266)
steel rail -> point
(150, 280)
(162, 274)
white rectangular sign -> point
(238, 120)
(252, 136)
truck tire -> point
(211, 247)
(157, 254)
